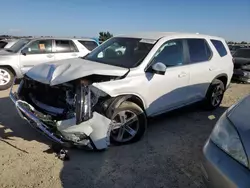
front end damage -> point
(71, 114)
(242, 70)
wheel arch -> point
(10, 68)
(222, 77)
(118, 100)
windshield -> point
(242, 53)
(18, 45)
(122, 51)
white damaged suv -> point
(107, 96)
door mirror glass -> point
(159, 68)
(25, 51)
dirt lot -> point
(168, 155)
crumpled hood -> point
(59, 72)
(240, 117)
(241, 60)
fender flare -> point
(115, 103)
(219, 75)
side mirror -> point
(159, 68)
(25, 51)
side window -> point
(2, 44)
(64, 46)
(199, 50)
(219, 47)
(90, 45)
(40, 47)
(170, 54)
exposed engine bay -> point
(74, 112)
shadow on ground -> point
(167, 156)
(11, 125)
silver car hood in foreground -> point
(240, 117)
(59, 72)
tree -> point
(243, 42)
(104, 36)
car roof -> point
(61, 38)
(9, 40)
(158, 35)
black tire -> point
(142, 121)
(208, 103)
(8, 84)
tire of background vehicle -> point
(208, 103)
(142, 121)
(9, 83)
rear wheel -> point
(128, 123)
(214, 95)
(6, 78)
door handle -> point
(50, 56)
(183, 74)
(212, 68)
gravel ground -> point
(167, 156)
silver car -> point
(4, 44)
(25, 53)
(227, 151)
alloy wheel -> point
(125, 125)
(217, 95)
(4, 77)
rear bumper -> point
(221, 171)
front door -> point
(65, 49)
(39, 51)
(170, 90)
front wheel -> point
(128, 124)
(214, 95)
(6, 78)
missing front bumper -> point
(241, 75)
(93, 134)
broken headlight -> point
(83, 103)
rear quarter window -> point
(90, 45)
(219, 47)
(2, 44)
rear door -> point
(201, 67)
(65, 49)
(38, 51)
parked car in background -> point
(26, 53)
(242, 65)
(105, 98)
(233, 48)
(7, 43)
(227, 151)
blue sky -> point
(227, 18)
